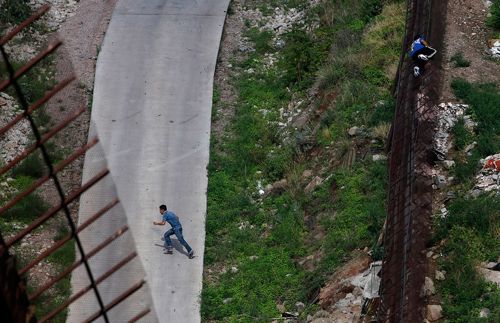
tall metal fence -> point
(106, 294)
(410, 183)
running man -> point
(173, 220)
(420, 52)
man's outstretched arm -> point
(159, 223)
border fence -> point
(410, 184)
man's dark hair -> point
(163, 207)
(417, 36)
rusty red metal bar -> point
(139, 316)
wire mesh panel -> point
(88, 264)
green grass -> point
(61, 291)
(462, 136)
(472, 226)
(253, 150)
(484, 100)
(33, 85)
(459, 60)
(32, 166)
(28, 209)
(14, 11)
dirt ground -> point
(467, 33)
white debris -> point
(447, 115)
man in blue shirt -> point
(420, 52)
(173, 220)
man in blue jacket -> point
(420, 52)
(173, 220)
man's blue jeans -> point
(178, 234)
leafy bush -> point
(31, 166)
(460, 60)
(14, 11)
(300, 58)
(494, 20)
(29, 208)
(370, 9)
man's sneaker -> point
(191, 254)
(416, 71)
(168, 251)
(423, 57)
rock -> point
(234, 269)
(475, 193)
(434, 312)
(428, 288)
(379, 157)
(279, 43)
(490, 275)
(276, 188)
(227, 300)
(306, 174)
(470, 147)
(440, 181)
(253, 258)
(300, 306)
(354, 131)
(321, 314)
(448, 164)
(440, 275)
(315, 182)
(485, 312)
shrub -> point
(461, 134)
(14, 11)
(494, 20)
(29, 208)
(31, 166)
(460, 60)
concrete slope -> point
(152, 108)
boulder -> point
(315, 182)
(434, 312)
(379, 157)
(354, 131)
(440, 181)
(428, 288)
(448, 164)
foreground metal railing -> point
(16, 296)
(410, 192)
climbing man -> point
(420, 52)
(173, 220)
